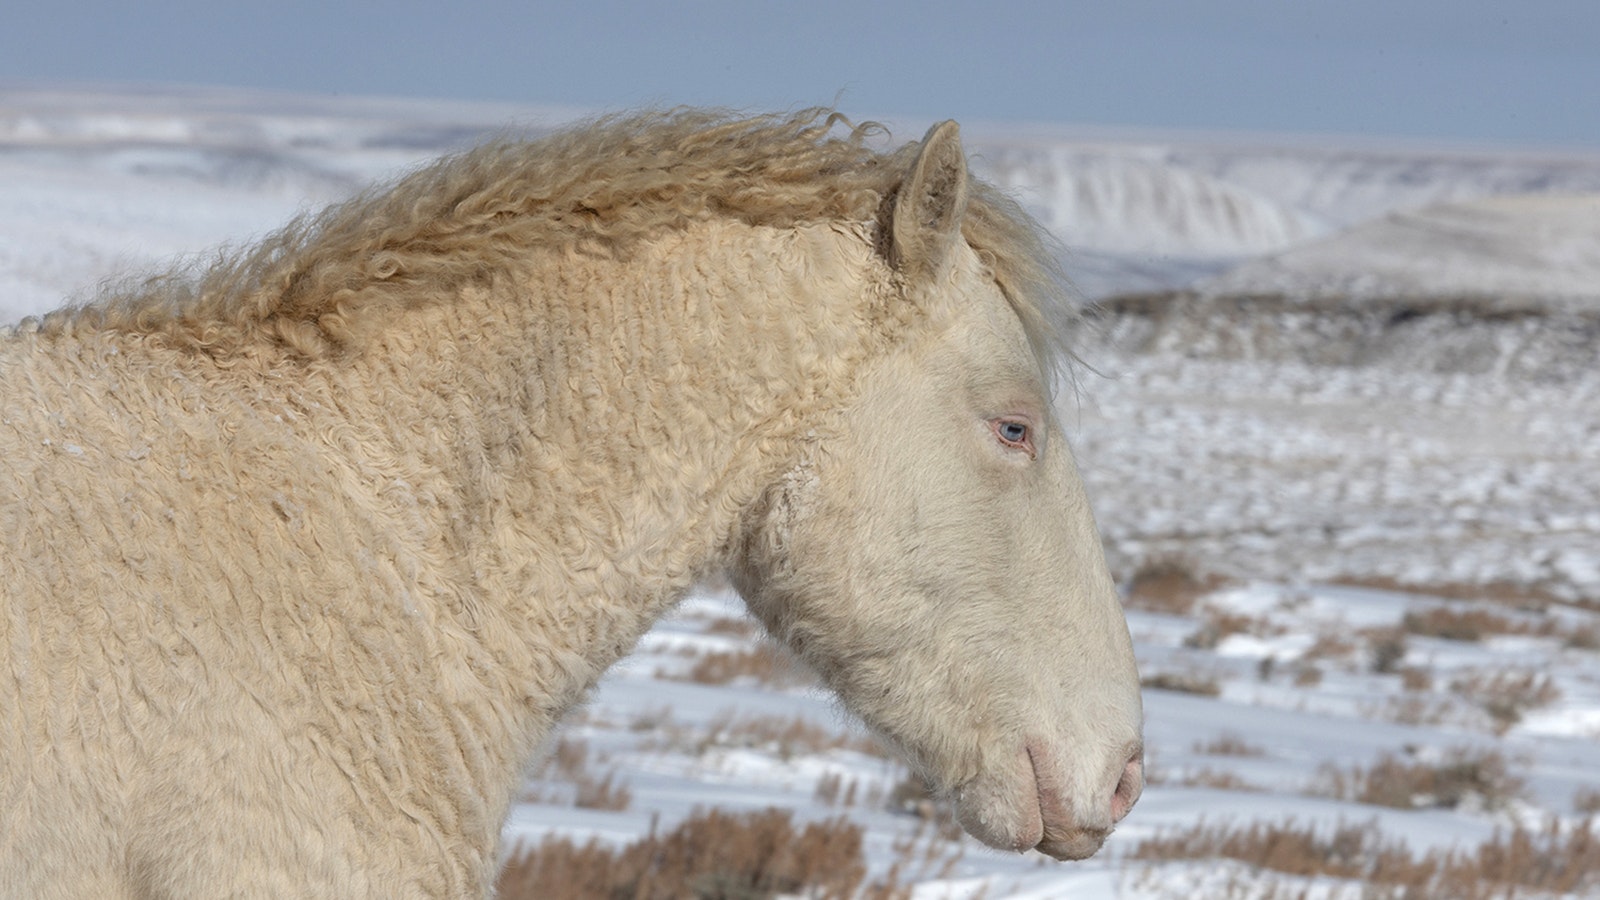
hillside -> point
(1494, 256)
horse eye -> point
(1014, 434)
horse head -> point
(933, 554)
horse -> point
(310, 544)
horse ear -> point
(930, 205)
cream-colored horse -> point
(307, 552)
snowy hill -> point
(1156, 211)
(1497, 255)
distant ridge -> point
(1493, 255)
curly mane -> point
(327, 279)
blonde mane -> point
(322, 283)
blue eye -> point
(1014, 433)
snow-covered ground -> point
(1313, 483)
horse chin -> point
(1023, 807)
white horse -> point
(307, 552)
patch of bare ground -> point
(1557, 859)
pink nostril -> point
(1128, 787)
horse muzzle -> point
(1037, 808)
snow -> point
(1523, 252)
(1150, 211)
(1315, 487)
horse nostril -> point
(1128, 787)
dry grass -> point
(913, 797)
(1330, 645)
(1468, 625)
(1586, 802)
(763, 664)
(712, 855)
(1416, 679)
(604, 793)
(1554, 859)
(1525, 597)
(1350, 851)
(655, 719)
(1416, 709)
(1228, 744)
(1183, 682)
(1473, 624)
(1207, 777)
(1582, 637)
(1307, 675)
(1480, 778)
(928, 855)
(834, 790)
(732, 626)
(1506, 695)
(1169, 585)
(1388, 648)
(718, 855)
(569, 762)
(1303, 673)
(1218, 625)
(785, 737)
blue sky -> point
(1516, 71)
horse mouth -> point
(1080, 845)
(1033, 809)
(1065, 835)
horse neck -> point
(609, 421)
